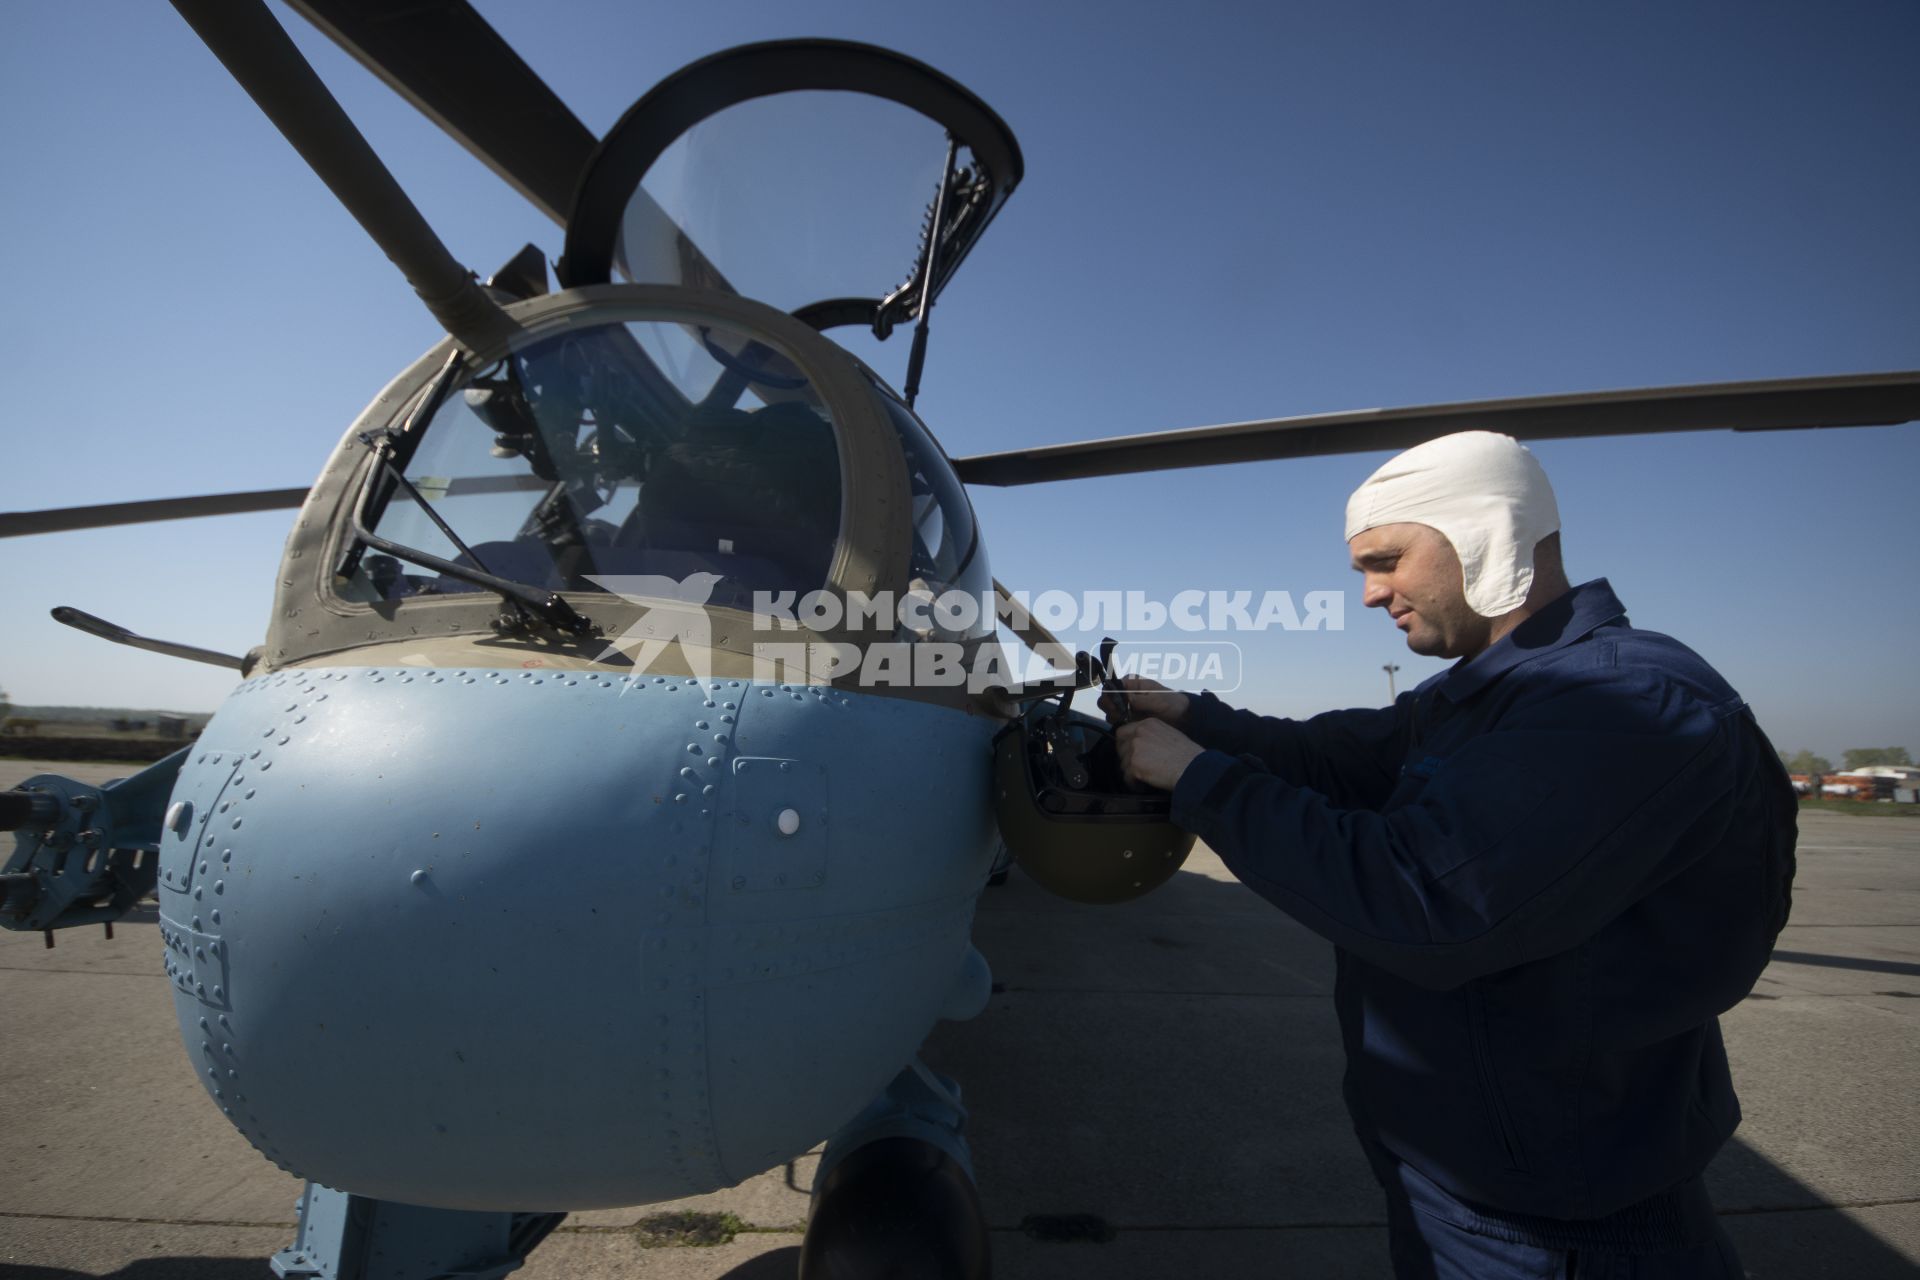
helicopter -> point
(354, 682)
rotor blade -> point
(442, 57)
(17, 524)
(263, 59)
(1855, 400)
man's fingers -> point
(1135, 702)
(1143, 697)
(1154, 753)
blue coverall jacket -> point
(1546, 871)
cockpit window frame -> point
(898, 405)
(871, 552)
(705, 88)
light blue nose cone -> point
(496, 939)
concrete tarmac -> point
(1154, 1089)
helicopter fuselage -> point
(495, 938)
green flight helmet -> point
(1070, 817)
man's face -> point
(1412, 572)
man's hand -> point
(1146, 699)
(1154, 753)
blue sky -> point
(1230, 212)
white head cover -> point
(1486, 493)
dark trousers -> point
(1428, 1239)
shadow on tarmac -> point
(1848, 962)
(1172, 1067)
(781, 1264)
(1784, 1228)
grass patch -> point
(1862, 808)
(687, 1230)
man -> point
(1545, 871)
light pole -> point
(1390, 668)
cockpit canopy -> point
(631, 449)
(618, 451)
(801, 173)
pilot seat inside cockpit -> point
(752, 496)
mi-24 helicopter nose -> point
(483, 938)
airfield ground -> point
(1164, 1074)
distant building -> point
(1908, 774)
(1834, 786)
(1875, 782)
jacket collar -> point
(1569, 619)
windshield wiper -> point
(524, 602)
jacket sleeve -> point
(1522, 843)
(1351, 757)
